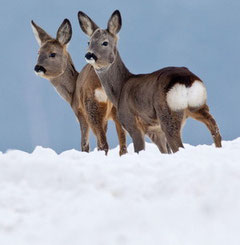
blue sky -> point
(202, 35)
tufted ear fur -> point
(64, 32)
(86, 24)
(40, 35)
(115, 23)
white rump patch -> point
(100, 95)
(180, 97)
(197, 94)
(177, 98)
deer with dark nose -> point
(83, 91)
(155, 104)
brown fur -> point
(141, 99)
(77, 88)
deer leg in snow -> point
(205, 117)
(98, 124)
(84, 133)
(120, 132)
(171, 125)
(160, 140)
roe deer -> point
(83, 91)
(155, 104)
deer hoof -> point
(123, 151)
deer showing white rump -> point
(83, 91)
(181, 97)
(155, 104)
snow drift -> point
(75, 198)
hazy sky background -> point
(200, 34)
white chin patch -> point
(40, 73)
(91, 61)
(180, 97)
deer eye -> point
(52, 55)
(105, 44)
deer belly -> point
(180, 97)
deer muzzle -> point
(39, 69)
(90, 57)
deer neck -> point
(65, 84)
(113, 79)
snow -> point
(75, 198)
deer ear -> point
(64, 32)
(115, 23)
(40, 35)
(86, 24)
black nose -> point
(38, 68)
(90, 56)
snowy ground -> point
(188, 198)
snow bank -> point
(188, 198)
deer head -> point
(53, 55)
(102, 49)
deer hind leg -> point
(96, 117)
(138, 140)
(84, 127)
(203, 115)
(120, 132)
(159, 138)
(171, 125)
